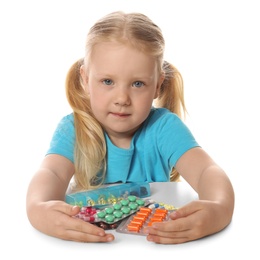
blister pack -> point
(110, 216)
(144, 217)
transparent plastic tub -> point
(109, 194)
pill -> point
(111, 199)
(132, 198)
(101, 214)
(144, 209)
(118, 213)
(161, 210)
(125, 210)
(133, 205)
(109, 218)
(89, 218)
(117, 206)
(139, 218)
(162, 215)
(154, 205)
(140, 202)
(144, 214)
(88, 209)
(133, 227)
(124, 202)
(156, 219)
(109, 210)
(139, 222)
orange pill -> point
(133, 227)
(139, 218)
(137, 222)
(160, 214)
(142, 214)
(144, 209)
(154, 219)
(161, 211)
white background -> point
(214, 44)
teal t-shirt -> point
(155, 148)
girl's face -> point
(122, 83)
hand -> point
(56, 219)
(193, 221)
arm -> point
(207, 179)
(51, 180)
(210, 214)
(210, 182)
(47, 210)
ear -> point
(160, 82)
(84, 77)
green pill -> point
(140, 202)
(118, 213)
(117, 206)
(101, 214)
(133, 205)
(109, 210)
(125, 210)
(124, 202)
(132, 198)
(110, 218)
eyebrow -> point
(108, 75)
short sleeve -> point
(175, 138)
(63, 139)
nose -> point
(122, 97)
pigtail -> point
(171, 95)
(74, 89)
(90, 145)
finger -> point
(87, 232)
(169, 240)
(169, 234)
(68, 222)
(79, 230)
(178, 225)
(67, 208)
(186, 210)
(82, 226)
(88, 238)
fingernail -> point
(149, 238)
(146, 231)
(174, 214)
(155, 226)
(110, 238)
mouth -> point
(120, 115)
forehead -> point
(121, 57)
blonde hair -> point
(90, 147)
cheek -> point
(97, 100)
(93, 93)
(144, 104)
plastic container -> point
(109, 194)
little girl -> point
(126, 126)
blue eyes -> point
(136, 84)
(107, 82)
